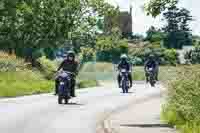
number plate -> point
(150, 69)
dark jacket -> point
(151, 64)
(124, 65)
(70, 66)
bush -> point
(164, 56)
(47, 67)
(87, 54)
(182, 108)
(193, 56)
(171, 56)
(110, 48)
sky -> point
(141, 22)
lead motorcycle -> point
(64, 78)
(125, 84)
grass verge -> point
(21, 83)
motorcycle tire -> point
(152, 82)
(124, 87)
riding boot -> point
(72, 92)
(147, 77)
(156, 78)
(56, 86)
(131, 81)
(119, 81)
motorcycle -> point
(151, 77)
(64, 87)
(125, 84)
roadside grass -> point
(17, 78)
(182, 108)
(21, 83)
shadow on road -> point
(75, 104)
(148, 125)
(128, 92)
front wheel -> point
(152, 81)
(124, 86)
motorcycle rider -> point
(124, 64)
(151, 63)
(71, 65)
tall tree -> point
(177, 28)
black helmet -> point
(151, 56)
(71, 54)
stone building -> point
(124, 22)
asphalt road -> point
(42, 114)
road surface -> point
(42, 114)
(143, 117)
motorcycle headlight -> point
(62, 83)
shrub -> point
(47, 67)
(163, 56)
(109, 48)
(182, 108)
(193, 56)
(87, 54)
(171, 56)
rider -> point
(151, 63)
(71, 65)
(124, 64)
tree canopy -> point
(177, 28)
(35, 24)
(156, 7)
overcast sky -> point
(141, 22)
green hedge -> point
(139, 55)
